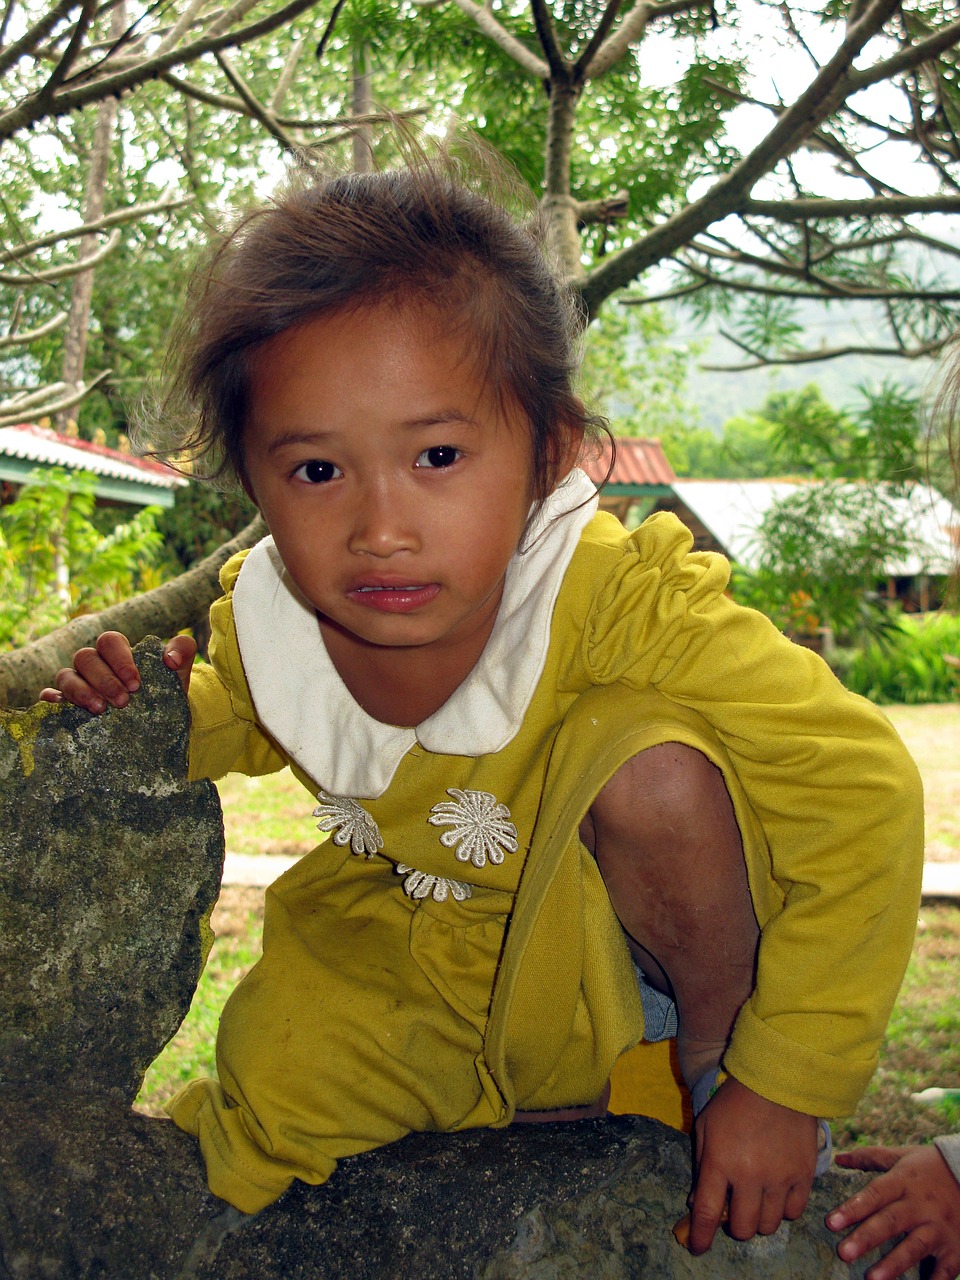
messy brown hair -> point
(414, 235)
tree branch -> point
(63, 272)
(543, 24)
(32, 109)
(30, 40)
(34, 402)
(254, 107)
(502, 38)
(115, 219)
(729, 194)
(581, 68)
(19, 338)
(869, 207)
(632, 30)
(165, 610)
(761, 361)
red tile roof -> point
(638, 462)
(43, 445)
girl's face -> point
(394, 486)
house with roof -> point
(725, 515)
(121, 478)
(636, 474)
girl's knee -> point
(670, 790)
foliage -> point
(201, 519)
(635, 374)
(54, 561)
(799, 434)
(822, 550)
(909, 665)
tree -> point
(634, 176)
(56, 564)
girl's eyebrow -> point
(440, 418)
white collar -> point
(304, 705)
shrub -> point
(908, 664)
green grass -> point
(272, 814)
(190, 1054)
(922, 1045)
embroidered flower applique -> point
(349, 822)
(481, 826)
(419, 884)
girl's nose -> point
(383, 524)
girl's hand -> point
(108, 674)
(756, 1153)
(916, 1196)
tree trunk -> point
(78, 320)
(180, 603)
(362, 106)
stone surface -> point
(109, 863)
(90, 1191)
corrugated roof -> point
(638, 462)
(733, 509)
(47, 447)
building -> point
(121, 478)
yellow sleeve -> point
(224, 734)
(837, 795)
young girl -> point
(546, 750)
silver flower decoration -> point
(350, 824)
(481, 826)
(420, 884)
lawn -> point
(273, 816)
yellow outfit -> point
(450, 955)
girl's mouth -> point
(394, 597)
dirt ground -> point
(932, 736)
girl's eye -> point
(316, 471)
(441, 455)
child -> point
(546, 750)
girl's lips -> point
(394, 598)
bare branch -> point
(869, 207)
(63, 272)
(22, 337)
(502, 38)
(115, 219)
(762, 361)
(254, 107)
(543, 23)
(181, 26)
(632, 30)
(66, 100)
(71, 53)
(199, 94)
(606, 209)
(35, 35)
(286, 75)
(582, 65)
(923, 51)
(12, 411)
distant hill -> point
(719, 396)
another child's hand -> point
(108, 673)
(916, 1196)
(756, 1153)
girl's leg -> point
(666, 840)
